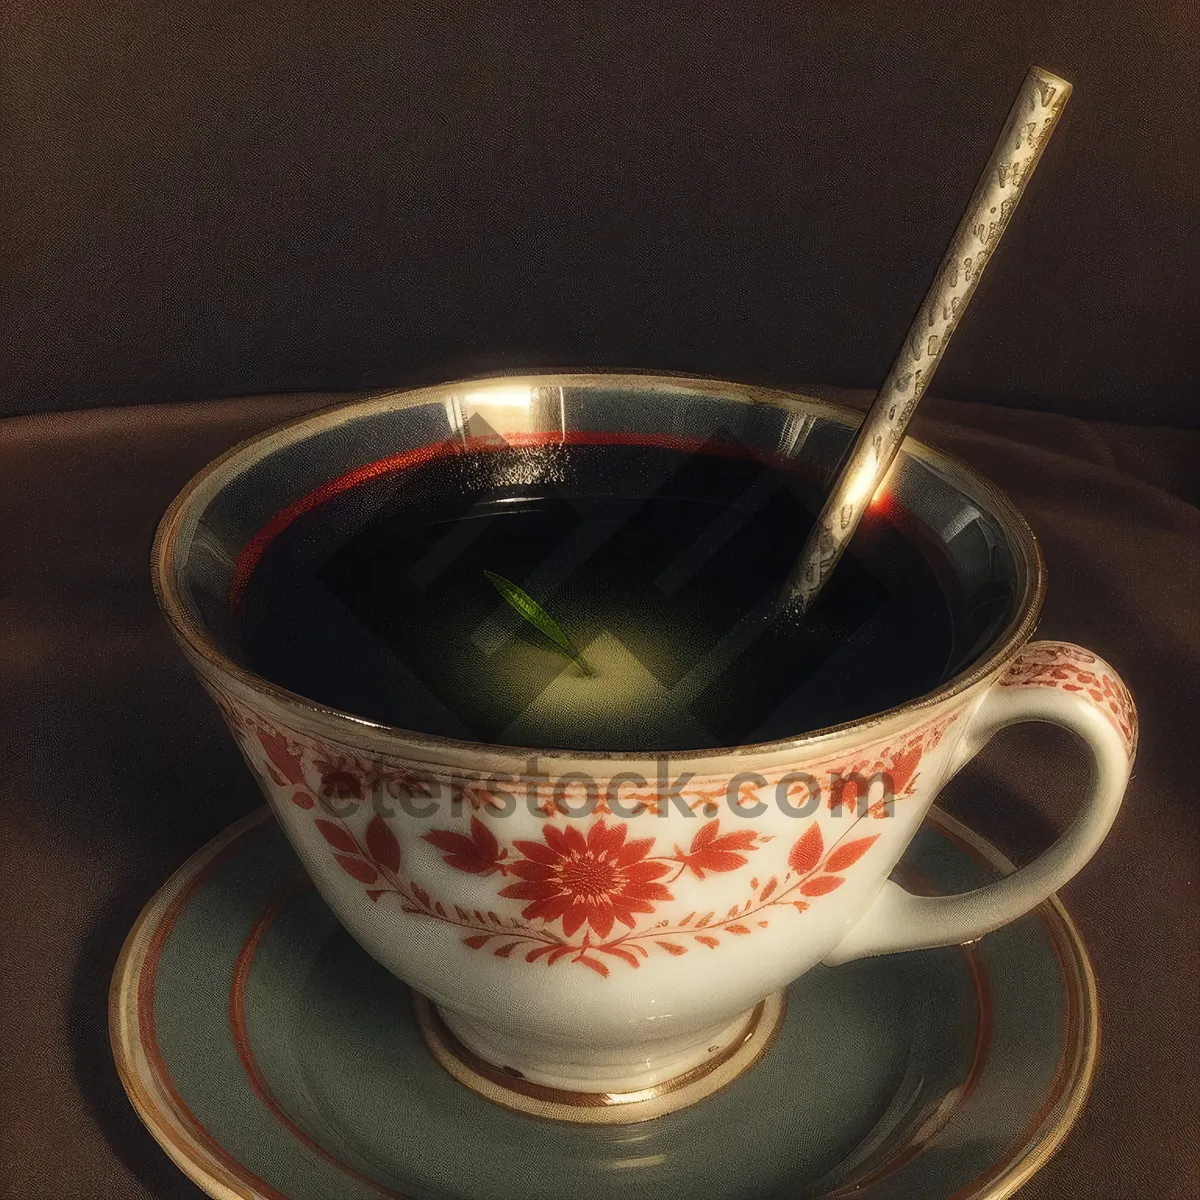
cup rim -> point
(207, 482)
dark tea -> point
(661, 561)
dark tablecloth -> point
(117, 768)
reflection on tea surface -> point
(660, 565)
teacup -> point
(602, 930)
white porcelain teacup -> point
(618, 951)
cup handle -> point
(1048, 681)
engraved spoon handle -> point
(1035, 113)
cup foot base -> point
(751, 1037)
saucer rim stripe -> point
(1076, 1069)
(241, 1036)
(131, 1027)
(923, 1136)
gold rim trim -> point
(225, 1179)
(602, 1108)
(185, 510)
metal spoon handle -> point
(1034, 115)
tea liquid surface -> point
(661, 564)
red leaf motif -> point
(672, 947)
(558, 953)
(598, 967)
(904, 768)
(822, 885)
(289, 763)
(739, 929)
(478, 854)
(302, 800)
(342, 785)
(358, 867)
(712, 850)
(622, 954)
(506, 950)
(483, 837)
(477, 940)
(806, 853)
(537, 953)
(336, 836)
(769, 889)
(847, 855)
(382, 844)
(705, 940)
(849, 790)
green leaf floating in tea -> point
(526, 606)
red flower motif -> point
(597, 880)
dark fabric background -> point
(212, 199)
(117, 767)
(206, 198)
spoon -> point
(1034, 115)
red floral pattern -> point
(712, 850)
(589, 893)
(479, 854)
(1062, 665)
(287, 762)
(596, 880)
(601, 878)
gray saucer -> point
(272, 1058)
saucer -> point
(272, 1058)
